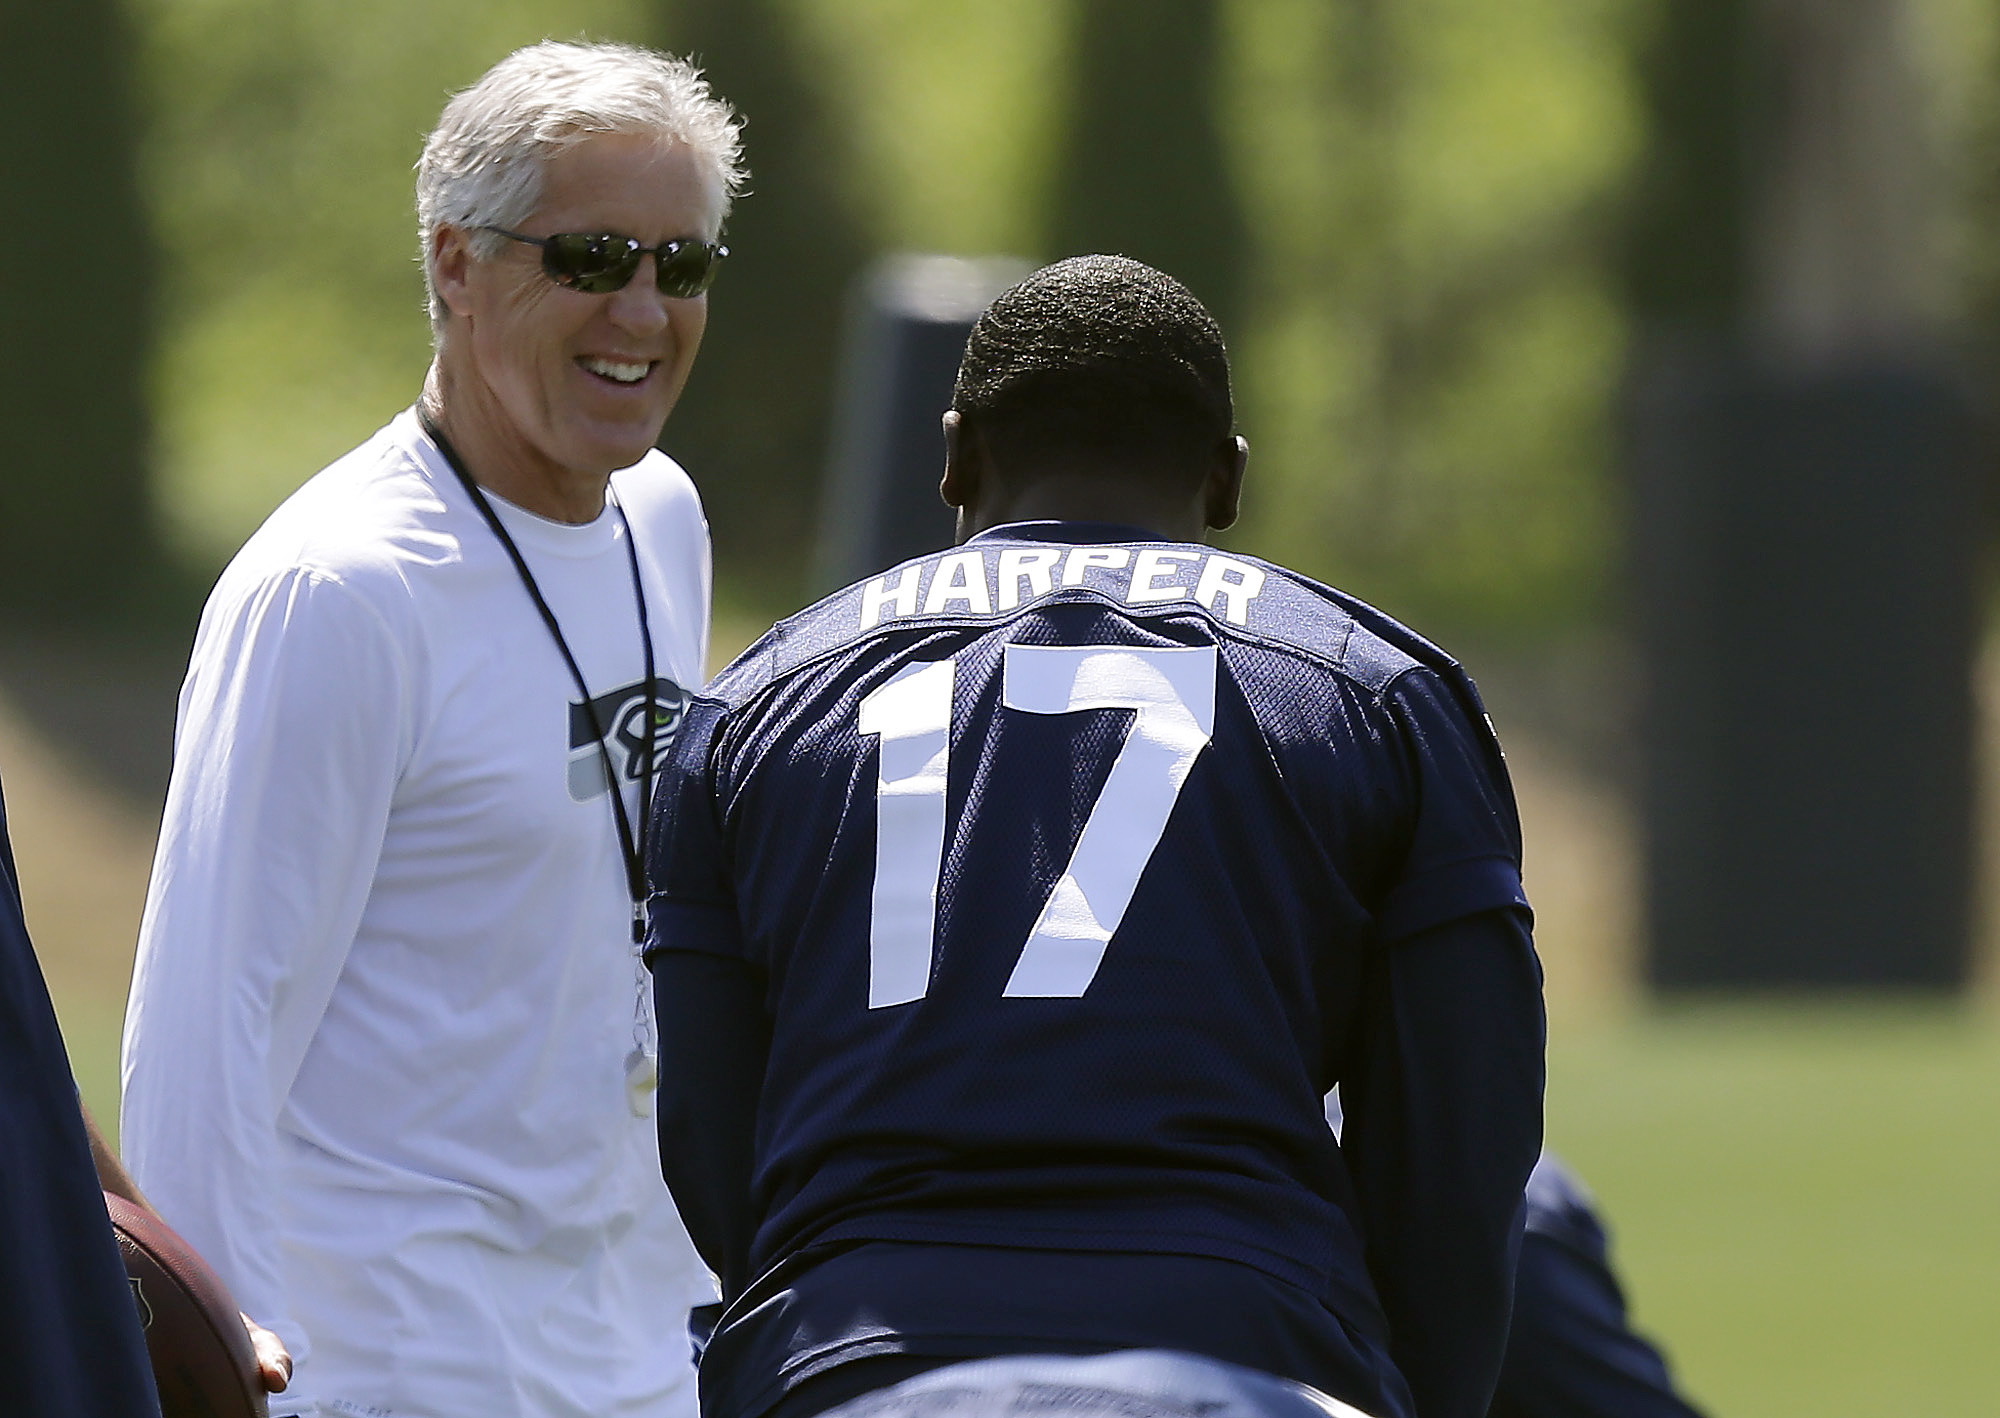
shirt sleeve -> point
(709, 1000)
(1464, 852)
(693, 901)
(294, 726)
(1443, 1103)
(715, 1040)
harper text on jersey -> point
(983, 581)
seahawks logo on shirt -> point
(623, 714)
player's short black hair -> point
(1100, 358)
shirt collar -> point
(1073, 533)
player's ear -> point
(959, 482)
(1222, 490)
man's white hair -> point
(482, 164)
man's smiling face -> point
(581, 384)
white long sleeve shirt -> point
(386, 1003)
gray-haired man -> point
(388, 1059)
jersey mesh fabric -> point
(1349, 794)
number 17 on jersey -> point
(1172, 692)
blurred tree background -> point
(1440, 234)
(1411, 213)
(1402, 208)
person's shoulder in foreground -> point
(70, 1343)
(1572, 1352)
(388, 1048)
(1030, 895)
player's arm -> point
(111, 1173)
(714, 1040)
(709, 1000)
(293, 729)
(274, 1362)
(1443, 1124)
(1444, 1089)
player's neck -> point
(1170, 501)
(1081, 500)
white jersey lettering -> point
(1152, 565)
(1236, 583)
(1035, 565)
(961, 576)
(1173, 692)
(962, 581)
(879, 594)
(911, 716)
(1083, 558)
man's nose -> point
(638, 306)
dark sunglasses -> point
(601, 262)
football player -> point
(1013, 910)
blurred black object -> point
(77, 534)
(907, 321)
(1143, 169)
(1806, 544)
(751, 427)
(1806, 513)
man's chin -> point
(610, 453)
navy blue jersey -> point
(70, 1342)
(1068, 861)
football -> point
(202, 1359)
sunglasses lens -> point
(690, 268)
(598, 263)
(595, 264)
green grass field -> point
(1805, 1198)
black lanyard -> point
(632, 845)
